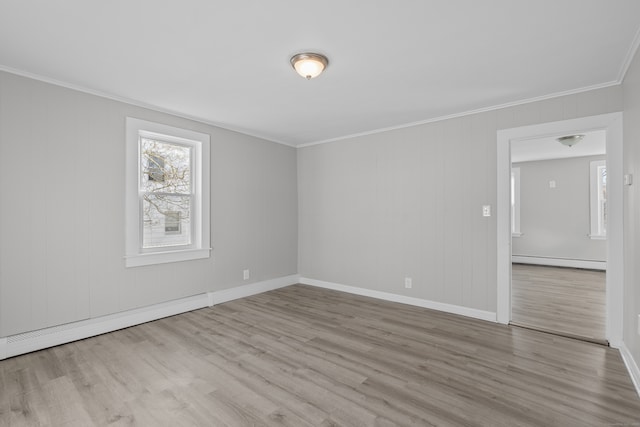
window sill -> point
(140, 260)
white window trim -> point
(596, 232)
(515, 218)
(200, 248)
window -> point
(172, 222)
(598, 199)
(167, 194)
(515, 202)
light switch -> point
(552, 184)
(628, 179)
(486, 210)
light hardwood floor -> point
(301, 356)
(565, 301)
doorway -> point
(558, 225)
(612, 125)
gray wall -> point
(631, 87)
(375, 209)
(62, 210)
(555, 222)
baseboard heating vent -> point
(38, 333)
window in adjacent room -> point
(167, 205)
(598, 199)
(515, 202)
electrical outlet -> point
(486, 210)
(246, 275)
(552, 184)
(408, 282)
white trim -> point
(56, 335)
(434, 305)
(629, 57)
(3, 348)
(139, 260)
(632, 366)
(135, 103)
(560, 262)
(49, 337)
(339, 138)
(200, 211)
(463, 114)
(504, 239)
(615, 231)
(219, 297)
(612, 122)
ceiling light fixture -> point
(309, 65)
(570, 140)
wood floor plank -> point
(567, 301)
(304, 356)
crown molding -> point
(136, 103)
(465, 113)
(629, 57)
(630, 54)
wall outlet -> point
(486, 210)
(552, 184)
(246, 275)
(408, 282)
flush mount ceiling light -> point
(309, 65)
(570, 140)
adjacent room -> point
(319, 214)
(559, 229)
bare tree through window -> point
(166, 193)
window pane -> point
(165, 167)
(602, 198)
(513, 203)
(166, 220)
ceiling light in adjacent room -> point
(570, 140)
(309, 65)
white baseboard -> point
(560, 262)
(449, 308)
(3, 348)
(218, 297)
(56, 335)
(631, 365)
(48, 337)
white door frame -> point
(612, 123)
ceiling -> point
(392, 63)
(593, 143)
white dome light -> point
(309, 65)
(570, 140)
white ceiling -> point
(392, 63)
(593, 143)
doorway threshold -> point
(561, 334)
